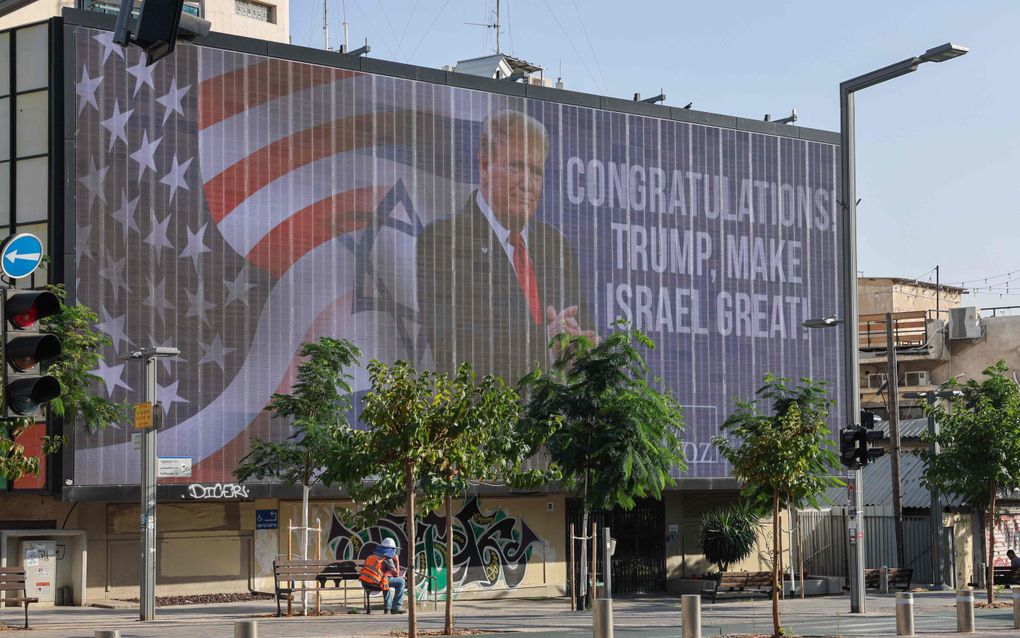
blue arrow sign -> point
(20, 255)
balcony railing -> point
(910, 330)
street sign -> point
(20, 255)
(267, 519)
(136, 441)
(173, 466)
(143, 415)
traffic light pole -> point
(147, 581)
(147, 562)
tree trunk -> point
(304, 542)
(448, 626)
(777, 630)
(990, 527)
(412, 620)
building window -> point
(254, 10)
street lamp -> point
(849, 202)
(826, 322)
(938, 574)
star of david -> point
(371, 292)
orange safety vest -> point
(374, 573)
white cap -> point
(389, 542)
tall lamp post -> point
(847, 89)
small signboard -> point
(20, 255)
(173, 467)
(136, 441)
(267, 519)
(143, 415)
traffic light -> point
(25, 389)
(855, 449)
(868, 420)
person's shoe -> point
(397, 611)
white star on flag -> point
(94, 182)
(157, 299)
(86, 90)
(145, 155)
(113, 328)
(157, 237)
(117, 124)
(196, 246)
(167, 395)
(109, 46)
(172, 100)
(214, 352)
(142, 73)
(111, 376)
(238, 289)
(125, 215)
(197, 305)
(175, 178)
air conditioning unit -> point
(917, 378)
(965, 323)
(875, 380)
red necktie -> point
(526, 278)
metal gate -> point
(825, 543)
(639, 564)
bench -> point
(741, 581)
(299, 575)
(1007, 575)
(899, 578)
(12, 579)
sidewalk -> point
(635, 617)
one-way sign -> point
(20, 255)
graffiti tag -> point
(217, 490)
(489, 549)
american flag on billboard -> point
(234, 206)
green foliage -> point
(979, 435)
(451, 431)
(728, 534)
(783, 456)
(317, 408)
(81, 353)
(788, 449)
(610, 433)
(14, 462)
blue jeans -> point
(394, 597)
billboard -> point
(234, 206)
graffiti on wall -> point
(489, 549)
(1007, 536)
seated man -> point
(382, 572)
(1014, 560)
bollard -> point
(690, 611)
(883, 580)
(102, 633)
(246, 629)
(965, 610)
(904, 614)
(602, 618)
(1016, 607)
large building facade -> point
(242, 196)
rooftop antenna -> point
(491, 25)
(325, 25)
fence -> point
(825, 545)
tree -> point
(81, 352)
(317, 408)
(784, 455)
(728, 534)
(611, 434)
(980, 447)
(427, 435)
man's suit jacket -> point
(470, 305)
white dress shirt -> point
(502, 234)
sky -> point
(938, 150)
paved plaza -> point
(635, 617)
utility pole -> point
(325, 24)
(892, 383)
